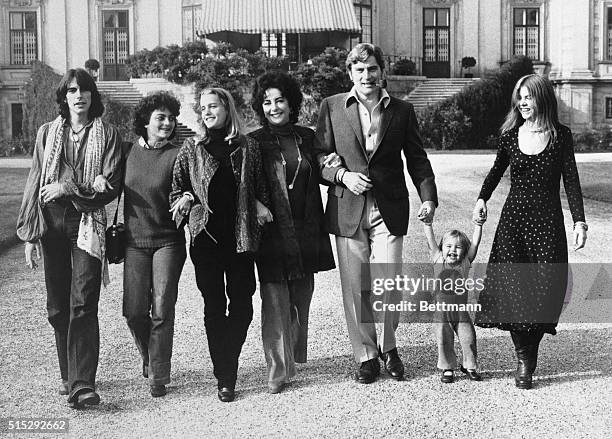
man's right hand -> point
(30, 249)
(356, 182)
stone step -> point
(435, 90)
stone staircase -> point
(126, 93)
(435, 90)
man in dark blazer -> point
(361, 136)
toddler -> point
(452, 258)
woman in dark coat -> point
(295, 244)
(527, 273)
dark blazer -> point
(339, 130)
(287, 253)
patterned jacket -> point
(194, 169)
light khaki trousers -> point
(372, 243)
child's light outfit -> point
(446, 323)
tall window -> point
(23, 37)
(363, 12)
(608, 108)
(274, 44)
(192, 21)
(527, 32)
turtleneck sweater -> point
(222, 190)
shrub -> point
(10, 147)
(403, 66)
(39, 100)
(119, 115)
(593, 140)
(324, 76)
(92, 64)
(485, 103)
(467, 62)
(172, 62)
(444, 126)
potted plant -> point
(403, 66)
(467, 62)
(92, 65)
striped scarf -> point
(92, 228)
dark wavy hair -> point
(158, 100)
(289, 88)
(86, 83)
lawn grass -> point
(596, 181)
(12, 183)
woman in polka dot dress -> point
(527, 271)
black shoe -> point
(393, 364)
(226, 394)
(448, 376)
(368, 371)
(157, 390)
(145, 370)
(83, 398)
(63, 388)
(472, 374)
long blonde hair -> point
(233, 121)
(545, 104)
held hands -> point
(356, 182)
(101, 184)
(332, 160)
(30, 249)
(181, 207)
(263, 213)
(479, 215)
(580, 237)
(50, 192)
(426, 212)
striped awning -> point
(278, 16)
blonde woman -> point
(218, 185)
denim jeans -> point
(73, 279)
(150, 288)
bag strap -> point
(126, 148)
(117, 208)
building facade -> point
(570, 41)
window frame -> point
(359, 6)
(194, 31)
(267, 47)
(526, 26)
(22, 31)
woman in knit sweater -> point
(218, 183)
(155, 252)
(295, 245)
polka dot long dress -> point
(527, 272)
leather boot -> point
(524, 368)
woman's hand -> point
(332, 160)
(580, 237)
(479, 215)
(181, 207)
(263, 213)
(101, 184)
(50, 192)
(30, 249)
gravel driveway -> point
(571, 397)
